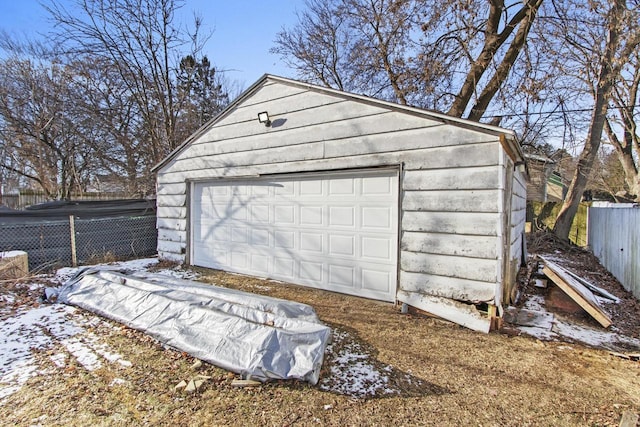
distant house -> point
(545, 183)
(350, 194)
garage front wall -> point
(450, 216)
(333, 231)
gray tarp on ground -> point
(256, 336)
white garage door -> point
(335, 231)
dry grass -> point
(447, 375)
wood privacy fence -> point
(56, 243)
(614, 237)
(30, 198)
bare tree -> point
(502, 21)
(411, 51)
(366, 46)
(607, 178)
(625, 117)
(107, 98)
(118, 130)
(602, 67)
(317, 47)
(40, 136)
(140, 39)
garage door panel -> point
(342, 245)
(376, 249)
(283, 267)
(312, 242)
(284, 239)
(260, 263)
(240, 234)
(284, 215)
(375, 280)
(312, 271)
(344, 276)
(342, 216)
(208, 253)
(286, 188)
(342, 187)
(311, 187)
(377, 186)
(260, 213)
(216, 231)
(239, 260)
(260, 237)
(331, 232)
(260, 190)
(311, 215)
(377, 217)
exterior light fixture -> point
(264, 118)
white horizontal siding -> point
(171, 223)
(469, 178)
(451, 201)
(382, 130)
(447, 287)
(463, 314)
(279, 108)
(458, 245)
(483, 270)
(271, 91)
(518, 214)
(291, 115)
(171, 256)
(450, 186)
(254, 163)
(172, 211)
(171, 235)
(171, 200)
(170, 246)
(475, 224)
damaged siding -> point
(450, 226)
(450, 196)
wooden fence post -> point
(72, 227)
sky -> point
(243, 31)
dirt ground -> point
(438, 373)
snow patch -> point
(11, 254)
(563, 329)
(43, 328)
(535, 303)
(117, 381)
(353, 372)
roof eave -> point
(205, 127)
(509, 135)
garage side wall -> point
(449, 198)
(518, 219)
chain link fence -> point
(57, 243)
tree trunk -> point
(493, 41)
(606, 78)
(502, 72)
(624, 152)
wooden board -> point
(574, 289)
(595, 289)
(463, 314)
(13, 265)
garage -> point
(336, 231)
(341, 192)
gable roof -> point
(506, 136)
